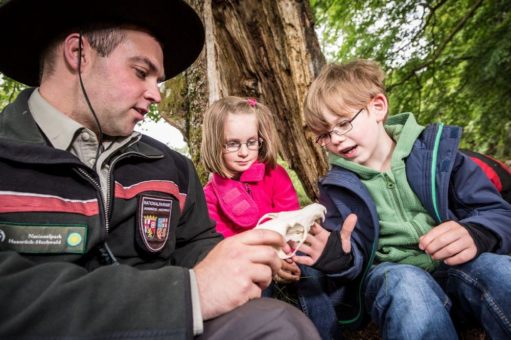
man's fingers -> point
(347, 229)
(262, 276)
(261, 237)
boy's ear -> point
(379, 106)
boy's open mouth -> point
(348, 152)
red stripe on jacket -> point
(167, 187)
(490, 173)
(12, 202)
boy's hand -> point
(346, 231)
(449, 242)
(290, 272)
(317, 238)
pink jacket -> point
(236, 206)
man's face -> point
(124, 84)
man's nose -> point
(153, 93)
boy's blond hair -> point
(340, 88)
(213, 139)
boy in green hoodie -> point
(432, 233)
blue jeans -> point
(407, 302)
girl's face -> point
(240, 128)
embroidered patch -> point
(154, 219)
(43, 239)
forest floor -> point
(371, 333)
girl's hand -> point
(289, 272)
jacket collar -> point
(17, 123)
(253, 174)
(21, 139)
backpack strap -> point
(498, 173)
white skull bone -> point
(293, 225)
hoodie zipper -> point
(249, 191)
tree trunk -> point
(265, 49)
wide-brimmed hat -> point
(28, 26)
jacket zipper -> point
(433, 171)
(98, 188)
(391, 185)
(364, 270)
(247, 187)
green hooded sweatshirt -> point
(403, 219)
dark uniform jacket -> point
(58, 278)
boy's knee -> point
(403, 276)
(487, 272)
(408, 284)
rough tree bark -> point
(265, 49)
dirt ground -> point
(371, 333)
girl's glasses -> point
(235, 145)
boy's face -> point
(359, 135)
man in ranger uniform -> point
(104, 232)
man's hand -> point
(449, 242)
(290, 272)
(317, 238)
(237, 270)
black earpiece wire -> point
(100, 135)
(105, 252)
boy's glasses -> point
(252, 144)
(339, 129)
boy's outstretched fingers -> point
(347, 228)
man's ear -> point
(72, 51)
(379, 106)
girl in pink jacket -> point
(239, 146)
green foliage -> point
(445, 60)
(9, 89)
(303, 199)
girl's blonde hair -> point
(341, 87)
(213, 139)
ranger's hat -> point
(28, 26)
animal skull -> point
(293, 225)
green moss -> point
(302, 196)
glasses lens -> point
(232, 146)
(253, 144)
(323, 139)
(342, 128)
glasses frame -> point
(328, 135)
(259, 144)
